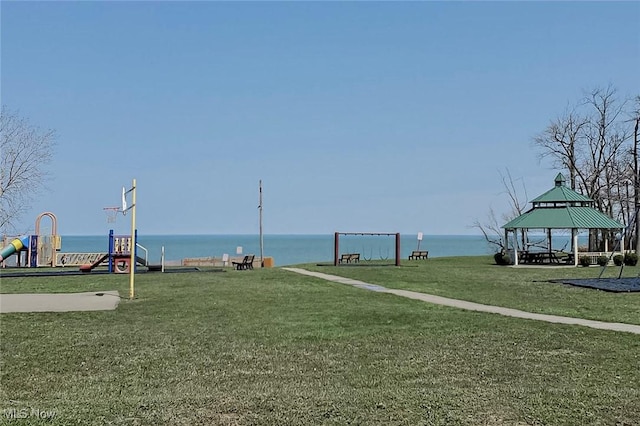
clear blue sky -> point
(358, 116)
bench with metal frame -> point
(247, 263)
(419, 254)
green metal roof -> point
(561, 194)
(563, 218)
(562, 208)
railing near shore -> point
(220, 262)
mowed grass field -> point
(271, 347)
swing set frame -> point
(336, 244)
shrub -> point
(502, 258)
(585, 260)
(618, 259)
(603, 260)
(630, 259)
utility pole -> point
(636, 179)
(261, 236)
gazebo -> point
(558, 208)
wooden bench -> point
(349, 258)
(419, 254)
(247, 263)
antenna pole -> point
(261, 236)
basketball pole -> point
(132, 261)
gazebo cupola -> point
(560, 197)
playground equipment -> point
(45, 247)
(117, 259)
(14, 247)
(46, 250)
(352, 256)
(41, 250)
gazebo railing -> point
(592, 255)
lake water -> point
(289, 249)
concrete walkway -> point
(471, 306)
(59, 302)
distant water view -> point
(292, 249)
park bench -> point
(419, 254)
(247, 263)
(350, 258)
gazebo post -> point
(549, 240)
(574, 245)
(515, 246)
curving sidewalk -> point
(471, 306)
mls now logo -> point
(16, 413)
(24, 413)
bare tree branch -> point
(491, 229)
(25, 153)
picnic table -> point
(539, 257)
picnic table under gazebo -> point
(560, 208)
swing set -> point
(338, 258)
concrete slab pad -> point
(59, 302)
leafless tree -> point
(25, 153)
(635, 120)
(589, 142)
(491, 227)
(560, 141)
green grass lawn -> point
(478, 279)
(273, 347)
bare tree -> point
(491, 228)
(560, 141)
(25, 153)
(635, 119)
(589, 142)
(603, 140)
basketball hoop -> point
(112, 213)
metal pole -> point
(261, 236)
(132, 261)
(636, 182)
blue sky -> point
(357, 116)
